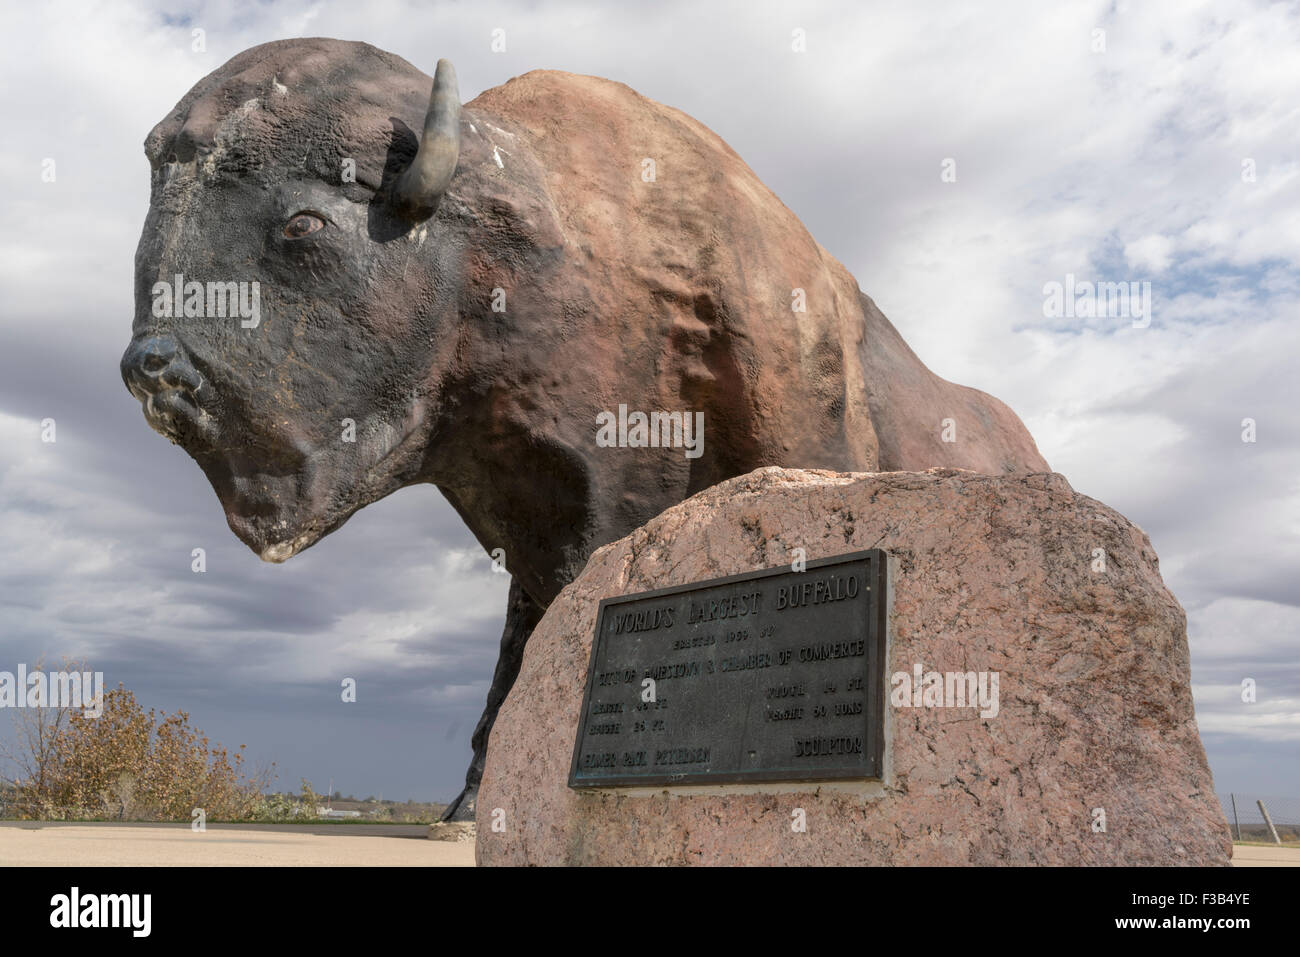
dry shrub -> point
(129, 764)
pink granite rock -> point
(989, 573)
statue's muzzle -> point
(157, 372)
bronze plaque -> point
(772, 675)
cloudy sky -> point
(1124, 155)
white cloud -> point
(1151, 254)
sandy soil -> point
(177, 845)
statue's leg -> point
(522, 616)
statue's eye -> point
(302, 224)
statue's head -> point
(295, 282)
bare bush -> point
(126, 764)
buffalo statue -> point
(565, 305)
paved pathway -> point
(67, 845)
(1254, 855)
(287, 845)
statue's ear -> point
(420, 186)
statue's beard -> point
(285, 501)
(275, 511)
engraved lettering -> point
(699, 641)
(822, 747)
(649, 620)
(832, 649)
(786, 714)
(682, 756)
(816, 592)
(737, 606)
(774, 675)
(680, 669)
(745, 662)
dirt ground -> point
(68, 845)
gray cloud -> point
(1122, 165)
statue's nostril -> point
(153, 362)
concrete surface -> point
(67, 845)
(1257, 855)
(288, 845)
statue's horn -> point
(420, 186)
